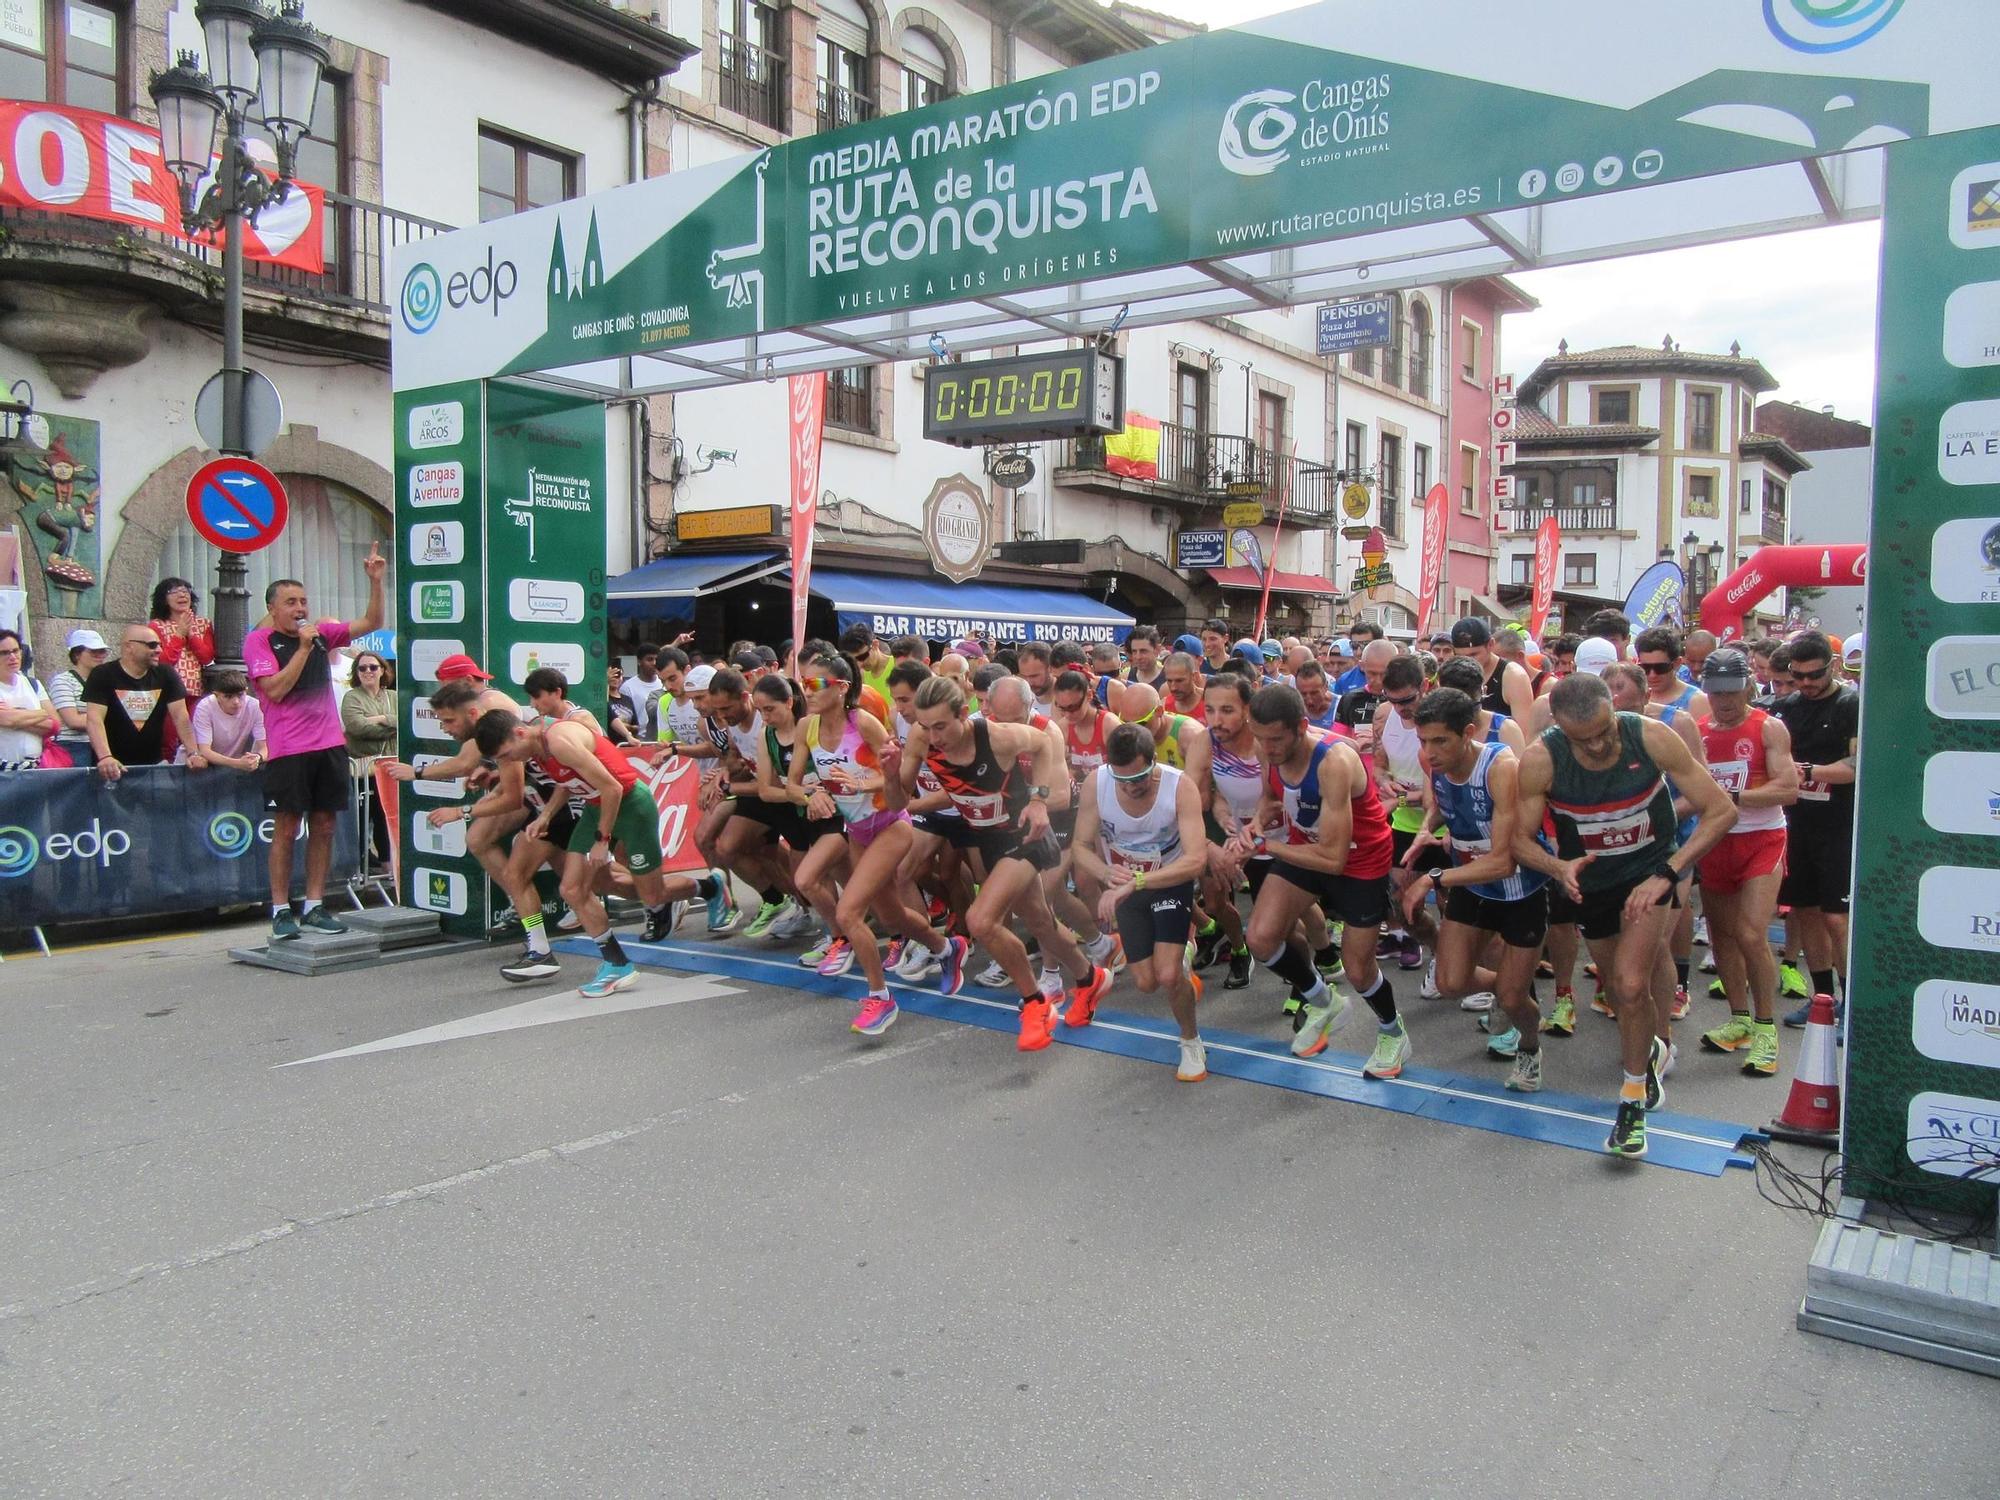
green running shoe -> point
(767, 913)
(1392, 1050)
(1763, 1059)
(1562, 1020)
(1792, 984)
(1657, 1058)
(1628, 1132)
(1717, 990)
(1734, 1035)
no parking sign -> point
(237, 504)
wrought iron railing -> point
(1569, 517)
(751, 80)
(1212, 468)
(842, 106)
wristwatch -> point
(1041, 792)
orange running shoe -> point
(1082, 1006)
(1035, 1025)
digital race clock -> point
(1024, 398)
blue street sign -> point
(1200, 549)
(1360, 324)
(237, 504)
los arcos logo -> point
(426, 292)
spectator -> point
(306, 777)
(187, 643)
(87, 652)
(368, 712)
(132, 701)
(643, 690)
(620, 716)
(228, 727)
(27, 721)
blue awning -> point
(940, 610)
(665, 587)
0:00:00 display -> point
(983, 396)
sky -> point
(1802, 303)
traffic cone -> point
(1812, 1114)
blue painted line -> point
(1687, 1143)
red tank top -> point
(1085, 756)
(622, 770)
(1372, 845)
(1735, 757)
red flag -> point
(1548, 547)
(97, 166)
(1437, 516)
(808, 403)
(1277, 536)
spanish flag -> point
(1134, 452)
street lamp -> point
(267, 68)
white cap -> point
(1856, 649)
(698, 678)
(88, 640)
(1594, 655)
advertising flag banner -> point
(808, 407)
(1271, 562)
(1548, 547)
(96, 166)
(1436, 518)
(1656, 597)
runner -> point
(1143, 651)
(1032, 666)
(1823, 716)
(1630, 686)
(1007, 819)
(1505, 687)
(1334, 850)
(1179, 741)
(1239, 788)
(1462, 673)
(1139, 840)
(1400, 779)
(1474, 793)
(770, 831)
(1215, 640)
(1317, 694)
(938, 836)
(1749, 754)
(845, 748)
(1666, 683)
(1356, 712)
(1618, 873)
(592, 770)
(1184, 679)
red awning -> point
(1281, 583)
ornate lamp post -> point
(267, 69)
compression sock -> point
(1822, 980)
(770, 895)
(1327, 957)
(609, 947)
(1289, 966)
(705, 886)
(1382, 1000)
(1681, 972)
(538, 940)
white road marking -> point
(652, 991)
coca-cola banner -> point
(77, 161)
(808, 408)
(1548, 547)
(1437, 516)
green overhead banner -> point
(1923, 1072)
(1230, 144)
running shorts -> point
(1819, 868)
(1601, 914)
(1363, 901)
(312, 781)
(1160, 916)
(635, 836)
(996, 844)
(1741, 858)
(1520, 924)
(1436, 857)
(948, 826)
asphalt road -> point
(723, 1247)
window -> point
(517, 175)
(1612, 407)
(750, 73)
(1357, 444)
(844, 45)
(1271, 424)
(1469, 335)
(1468, 479)
(1701, 495)
(926, 70)
(1420, 472)
(1701, 421)
(1392, 357)
(1749, 419)
(1580, 570)
(1522, 568)
(1392, 484)
(1191, 397)
(1530, 486)
(321, 159)
(1421, 341)
(322, 545)
(63, 52)
(850, 398)
(1743, 501)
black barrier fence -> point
(74, 847)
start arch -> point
(1771, 568)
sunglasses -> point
(818, 684)
(1403, 702)
(1658, 668)
(368, 667)
(1799, 674)
(149, 645)
(1130, 781)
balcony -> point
(751, 81)
(1198, 469)
(1571, 518)
(81, 287)
(1774, 522)
(841, 106)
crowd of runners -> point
(1462, 816)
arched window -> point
(322, 546)
(1421, 351)
(845, 42)
(926, 70)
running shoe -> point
(1113, 962)
(1241, 967)
(1792, 983)
(1708, 964)
(1429, 990)
(660, 925)
(920, 964)
(877, 1014)
(1478, 1000)
(722, 911)
(892, 958)
(1734, 1035)
(1315, 1022)
(1545, 970)
(1673, 1060)
(1211, 950)
(1050, 983)
(1763, 1059)
(1082, 1006)
(1526, 1075)
(609, 979)
(1628, 1131)
(1507, 1044)
(951, 967)
(1561, 1020)
(506, 922)
(815, 954)
(796, 921)
(1037, 1025)
(768, 912)
(1591, 970)
(1717, 990)
(1681, 1003)
(1485, 1023)
(1392, 1050)
(530, 965)
(938, 913)
(319, 919)
(1412, 955)
(992, 977)
(1194, 1061)
(838, 960)
(569, 921)
(1701, 931)
(284, 925)
(1656, 1062)
(1797, 1018)
(1330, 973)
(1601, 1003)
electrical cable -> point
(1908, 1194)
